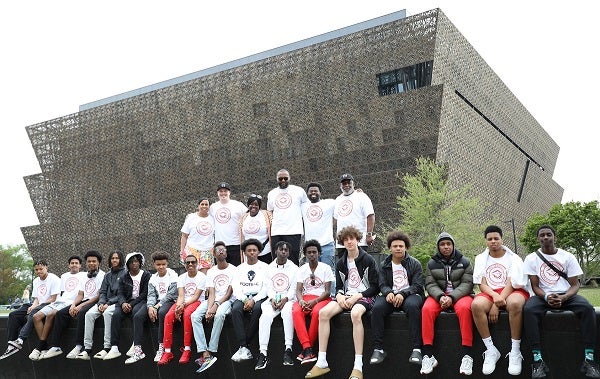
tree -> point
(429, 206)
(577, 228)
(15, 271)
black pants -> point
(19, 323)
(61, 321)
(411, 305)
(162, 312)
(293, 240)
(536, 307)
(242, 333)
(138, 327)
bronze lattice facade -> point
(123, 174)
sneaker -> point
(186, 355)
(466, 365)
(159, 353)
(101, 354)
(428, 364)
(300, 356)
(53, 352)
(243, 354)
(10, 350)
(261, 362)
(308, 356)
(287, 358)
(415, 357)
(539, 369)
(166, 358)
(378, 356)
(590, 369)
(490, 357)
(137, 356)
(73, 353)
(515, 360)
(206, 363)
(112, 354)
(131, 351)
(84, 356)
(35, 355)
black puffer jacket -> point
(414, 273)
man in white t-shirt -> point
(46, 288)
(354, 208)
(281, 291)
(554, 273)
(218, 305)
(285, 202)
(43, 321)
(318, 223)
(227, 213)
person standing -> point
(227, 214)
(553, 274)
(256, 223)
(198, 236)
(499, 273)
(354, 208)
(449, 284)
(285, 204)
(318, 223)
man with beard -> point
(285, 204)
(227, 213)
(354, 208)
(318, 223)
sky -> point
(57, 55)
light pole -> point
(512, 222)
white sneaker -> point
(515, 360)
(84, 356)
(490, 357)
(53, 352)
(101, 354)
(466, 365)
(136, 357)
(35, 355)
(73, 353)
(131, 351)
(428, 364)
(243, 354)
(112, 354)
(159, 353)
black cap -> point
(224, 185)
(346, 177)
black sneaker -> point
(415, 357)
(590, 369)
(308, 356)
(287, 358)
(261, 362)
(378, 356)
(539, 369)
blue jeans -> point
(217, 325)
(328, 256)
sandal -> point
(356, 374)
(317, 371)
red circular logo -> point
(496, 275)
(71, 284)
(223, 215)
(548, 275)
(400, 279)
(190, 289)
(204, 228)
(314, 213)
(252, 226)
(221, 282)
(353, 278)
(283, 200)
(162, 288)
(90, 286)
(43, 289)
(281, 282)
(345, 208)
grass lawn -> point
(592, 294)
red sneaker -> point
(166, 358)
(185, 357)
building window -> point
(405, 79)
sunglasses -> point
(312, 279)
(220, 250)
(256, 196)
(191, 262)
(283, 178)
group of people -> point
(252, 273)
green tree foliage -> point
(430, 206)
(15, 271)
(577, 231)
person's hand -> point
(152, 314)
(398, 300)
(126, 307)
(555, 300)
(493, 314)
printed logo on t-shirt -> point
(281, 282)
(204, 228)
(90, 287)
(400, 279)
(548, 275)
(42, 290)
(223, 215)
(353, 278)
(345, 208)
(251, 275)
(190, 289)
(496, 275)
(251, 227)
(308, 283)
(314, 213)
(283, 200)
(71, 284)
(136, 288)
(221, 283)
(162, 288)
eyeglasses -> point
(312, 279)
(220, 250)
(191, 262)
(256, 196)
(283, 178)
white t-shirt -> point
(550, 281)
(256, 227)
(355, 284)
(353, 210)
(161, 284)
(323, 274)
(43, 289)
(191, 285)
(227, 217)
(135, 293)
(69, 285)
(200, 231)
(497, 271)
(90, 286)
(318, 220)
(281, 280)
(286, 205)
(250, 279)
(220, 280)
(400, 277)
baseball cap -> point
(346, 177)
(224, 185)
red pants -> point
(431, 310)
(188, 332)
(308, 337)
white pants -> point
(90, 320)
(266, 320)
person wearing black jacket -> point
(401, 286)
(357, 285)
(132, 295)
